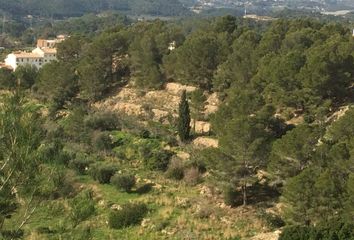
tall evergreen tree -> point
(184, 118)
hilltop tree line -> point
(279, 84)
(66, 8)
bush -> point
(53, 153)
(130, 214)
(232, 197)
(175, 169)
(335, 229)
(102, 121)
(82, 207)
(145, 188)
(103, 174)
(64, 184)
(81, 166)
(159, 160)
(12, 234)
(102, 141)
(192, 176)
(272, 221)
(123, 182)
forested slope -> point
(285, 155)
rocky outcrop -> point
(212, 104)
(201, 127)
(176, 88)
(206, 142)
(267, 236)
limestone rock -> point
(206, 142)
(176, 88)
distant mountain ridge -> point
(68, 8)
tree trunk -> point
(244, 190)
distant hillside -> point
(67, 8)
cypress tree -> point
(184, 118)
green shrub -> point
(103, 174)
(272, 221)
(335, 229)
(12, 234)
(102, 141)
(232, 197)
(159, 160)
(296, 232)
(81, 166)
(53, 153)
(175, 169)
(64, 184)
(123, 182)
(192, 176)
(82, 207)
(130, 214)
(144, 188)
(102, 121)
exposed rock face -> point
(159, 105)
(205, 142)
(176, 88)
(212, 104)
(160, 115)
(201, 126)
(130, 109)
(337, 115)
(183, 155)
(267, 236)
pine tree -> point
(184, 118)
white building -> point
(38, 57)
(44, 53)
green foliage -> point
(197, 103)
(26, 75)
(336, 229)
(7, 79)
(123, 182)
(96, 72)
(20, 137)
(102, 173)
(196, 61)
(12, 234)
(272, 221)
(57, 82)
(175, 169)
(184, 119)
(232, 197)
(130, 214)
(149, 150)
(294, 151)
(55, 182)
(82, 207)
(80, 165)
(349, 205)
(102, 141)
(150, 42)
(158, 160)
(298, 194)
(105, 121)
(53, 152)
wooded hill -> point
(68, 8)
(285, 130)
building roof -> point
(49, 50)
(27, 55)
